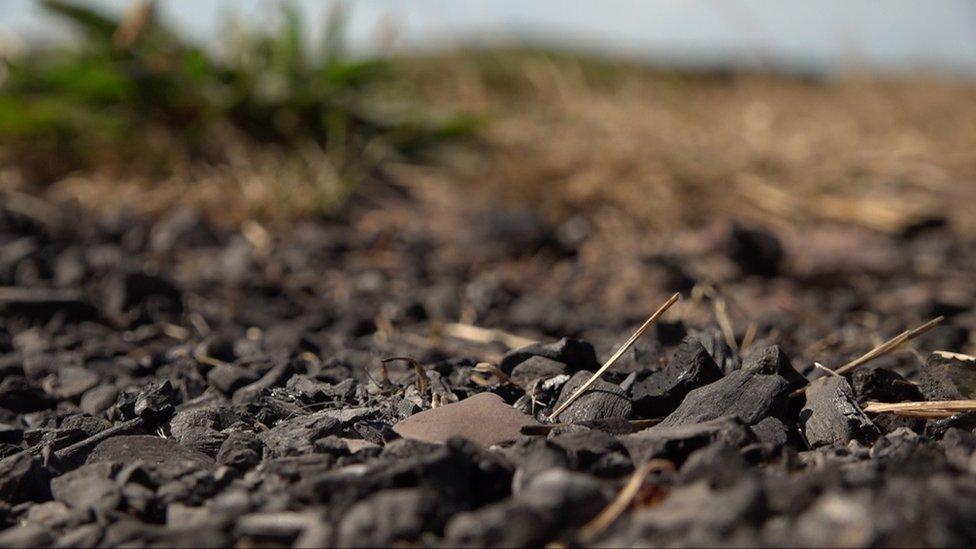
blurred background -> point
(668, 111)
(623, 130)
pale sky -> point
(800, 35)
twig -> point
(478, 334)
(947, 406)
(210, 361)
(616, 356)
(491, 369)
(724, 322)
(749, 337)
(889, 345)
(617, 507)
(823, 368)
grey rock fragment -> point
(601, 401)
(240, 451)
(297, 436)
(154, 451)
(832, 417)
(574, 353)
(88, 487)
(658, 394)
(749, 396)
(390, 516)
(772, 360)
(948, 376)
(535, 368)
(228, 378)
(23, 478)
(675, 443)
(554, 500)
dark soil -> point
(169, 383)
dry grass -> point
(665, 148)
(657, 149)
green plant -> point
(133, 94)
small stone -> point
(72, 382)
(772, 431)
(504, 524)
(832, 417)
(23, 478)
(88, 487)
(574, 353)
(602, 400)
(97, 400)
(26, 535)
(570, 499)
(483, 418)
(228, 378)
(553, 501)
(90, 425)
(948, 376)
(676, 443)
(720, 464)
(152, 450)
(883, 385)
(589, 449)
(388, 518)
(297, 436)
(240, 451)
(20, 396)
(749, 396)
(772, 360)
(658, 394)
(755, 250)
(535, 368)
(156, 403)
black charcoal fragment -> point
(574, 353)
(23, 477)
(749, 396)
(831, 417)
(601, 400)
(948, 376)
(659, 393)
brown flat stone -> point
(483, 418)
(152, 450)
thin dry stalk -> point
(617, 507)
(490, 369)
(176, 332)
(724, 322)
(889, 346)
(616, 356)
(823, 368)
(210, 361)
(749, 337)
(478, 334)
(947, 406)
(924, 414)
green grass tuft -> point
(133, 95)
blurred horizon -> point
(827, 38)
